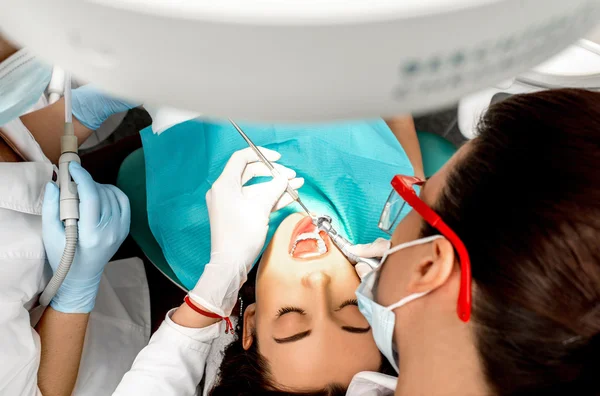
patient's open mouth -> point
(307, 241)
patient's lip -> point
(305, 225)
(307, 249)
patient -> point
(300, 331)
(304, 332)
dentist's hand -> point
(92, 107)
(376, 249)
(239, 221)
(104, 217)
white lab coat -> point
(175, 360)
(119, 326)
(173, 363)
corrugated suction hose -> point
(66, 260)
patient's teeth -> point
(314, 236)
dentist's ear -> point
(249, 328)
(434, 266)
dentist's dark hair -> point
(525, 199)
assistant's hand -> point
(92, 107)
(376, 249)
(104, 218)
(239, 221)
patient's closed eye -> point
(352, 320)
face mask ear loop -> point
(385, 254)
(421, 241)
(409, 244)
(406, 300)
(384, 257)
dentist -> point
(491, 285)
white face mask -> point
(23, 80)
(382, 319)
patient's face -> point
(307, 321)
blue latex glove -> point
(92, 107)
(104, 217)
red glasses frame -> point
(404, 187)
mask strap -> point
(410, 244)
(406, 300)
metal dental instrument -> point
(290, 190)
(324, 223)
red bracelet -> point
(229, 326)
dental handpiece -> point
(324, 224)
(289, 189)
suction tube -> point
(65, 263)
(69, 200)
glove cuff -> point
(218, 287)
(76, 297)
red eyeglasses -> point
(404, 193)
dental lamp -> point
(296, 60)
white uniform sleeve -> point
(172, 363)
(368, 383)
(21, 259)
(19, 343)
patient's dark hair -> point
(247, 373)
(525, 200)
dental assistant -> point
(48, 358)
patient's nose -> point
(317, 280)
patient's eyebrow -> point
(294, 338)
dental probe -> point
(324, 224)
(290, 190)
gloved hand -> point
(239, 221)
(104, 217)
(376, 249)
(92, 107)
